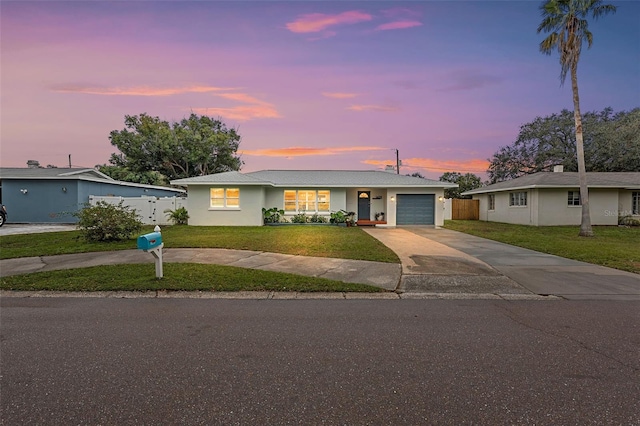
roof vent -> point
(558, 169)
(33, 164)
(389, 168)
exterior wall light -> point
(441, 198)
(393, 198)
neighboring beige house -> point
(237, 199)
(553, 198)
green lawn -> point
(321, 241)
(612, 246)
(177, 276)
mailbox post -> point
(152, 243)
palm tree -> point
(566, 20)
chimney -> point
(33, 164)
(558, 169)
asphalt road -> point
(187, 361)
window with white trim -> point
(518, 199)
(492, 202)
(222, 198)
(307, 200)
(635, 203)
(573, 199)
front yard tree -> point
(194, 146)
(566, 21)
(466, 182)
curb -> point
(272, 295)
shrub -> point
(316, 218)
(272, 215)
(300, 218)
(343, 216)
(628, 220)
(338, 217)
(107, 222)
(179, 216)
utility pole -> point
(397, 161)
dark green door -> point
(415, 209)
(364, 205)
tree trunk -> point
(585, 223)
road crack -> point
(513, 317)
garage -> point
(415, 209)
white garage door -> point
(415, 209)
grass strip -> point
(320, 241)
(612, 246)
(177, 276)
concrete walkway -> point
(539, 273)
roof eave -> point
(519, 188)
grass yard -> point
(177, 276)
(612, 246)
(320, 241)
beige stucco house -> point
(553, 198)
(237, 199)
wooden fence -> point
(465, 209)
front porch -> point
(366, 222)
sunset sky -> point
(309, 85)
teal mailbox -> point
(150, 241)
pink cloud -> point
(339, 95)
(378, 108)
(137, 90)
(240, 113)
(462, 166)
(317, 22)
(253, 108)
(299, 151)
(398, 25)
(242, 97)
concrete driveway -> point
(33, 228)
(539, 273)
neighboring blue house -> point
(47, 195)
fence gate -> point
(465, 209)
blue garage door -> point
(415, 209)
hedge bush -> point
(108, 222)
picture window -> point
(224, 198)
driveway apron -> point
(429, 266)
(540, 273)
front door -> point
(364, 205)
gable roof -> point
(84, 174)
(50, 173)
(314, 178)
(623, 180)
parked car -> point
(3, 214)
